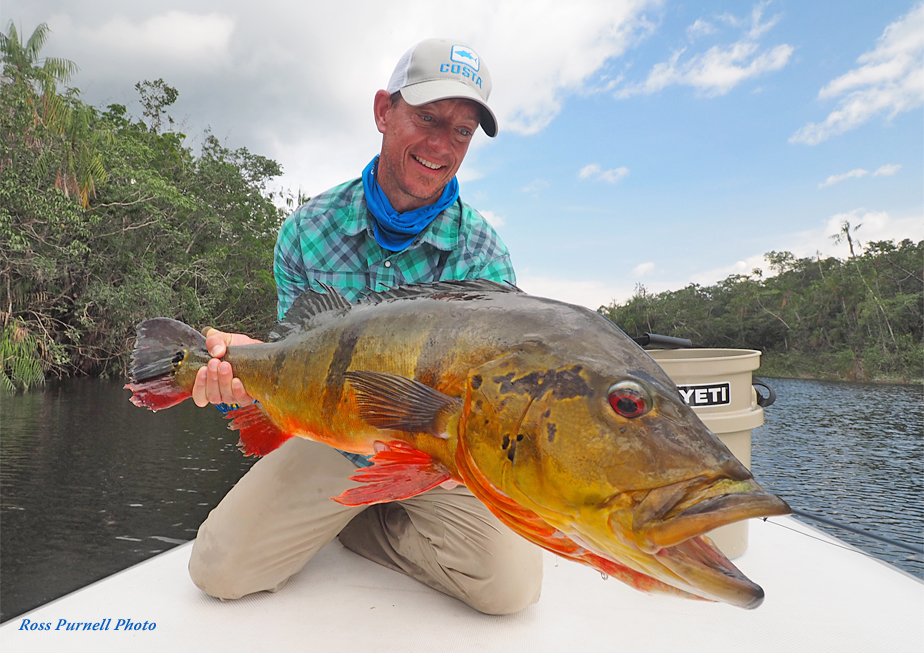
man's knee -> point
(215, 571)
(210, 574)
(512, 581)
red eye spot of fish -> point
(629, 399)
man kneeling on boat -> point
(402, 222)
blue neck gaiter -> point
(392, 230)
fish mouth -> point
(670, 523)
(710, 574)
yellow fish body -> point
(562, 425)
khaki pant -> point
(280, 514)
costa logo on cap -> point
(465, 55)
(442, 69)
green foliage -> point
(106, 220)
(20, 358)
(156, 96)
(21, 60)
(859, 319)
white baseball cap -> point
(440, 69)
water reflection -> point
(91, 484)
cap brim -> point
(447, 89)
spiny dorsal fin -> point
(309, 304)
(449, 289)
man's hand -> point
(216, 383)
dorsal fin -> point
(448, 290)
(308, 305)
(312, 302)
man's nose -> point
(440, 139)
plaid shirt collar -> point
(442, 233)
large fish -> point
(564, 427)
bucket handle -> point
(764, 400)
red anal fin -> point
(259, 435)
(157, 393)
(398, 472)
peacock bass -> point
(554, 418)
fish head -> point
(604, 450)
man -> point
(401, 223)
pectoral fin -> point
(399, 471)
(390, 401)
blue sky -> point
(642, 142)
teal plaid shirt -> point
(329, 239)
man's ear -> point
(381, 107)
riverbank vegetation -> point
(858, 319)
(107, 219)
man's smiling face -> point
(422, 147)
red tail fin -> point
(160, 392)
(162, 345)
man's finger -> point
(225, 375)
(240, 395)
(198, 391)
(212, 390)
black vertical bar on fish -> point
(339, 364)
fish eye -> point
(629, 399)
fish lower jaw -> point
(707, 573)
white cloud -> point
(588, 170)
(883, 171)
(535, 186)
(610, 176)
(887, 170)
(889, 81)
(866, 226)
(198, 41)
(744, 267)
(833, 179)
(493, 219)
(870, 226)
(720, 68)
(592, 294)
(540, 53)
(700, 28)
(295, 82)
(468, 173)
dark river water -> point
(90, 484)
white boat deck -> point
(819, 598)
